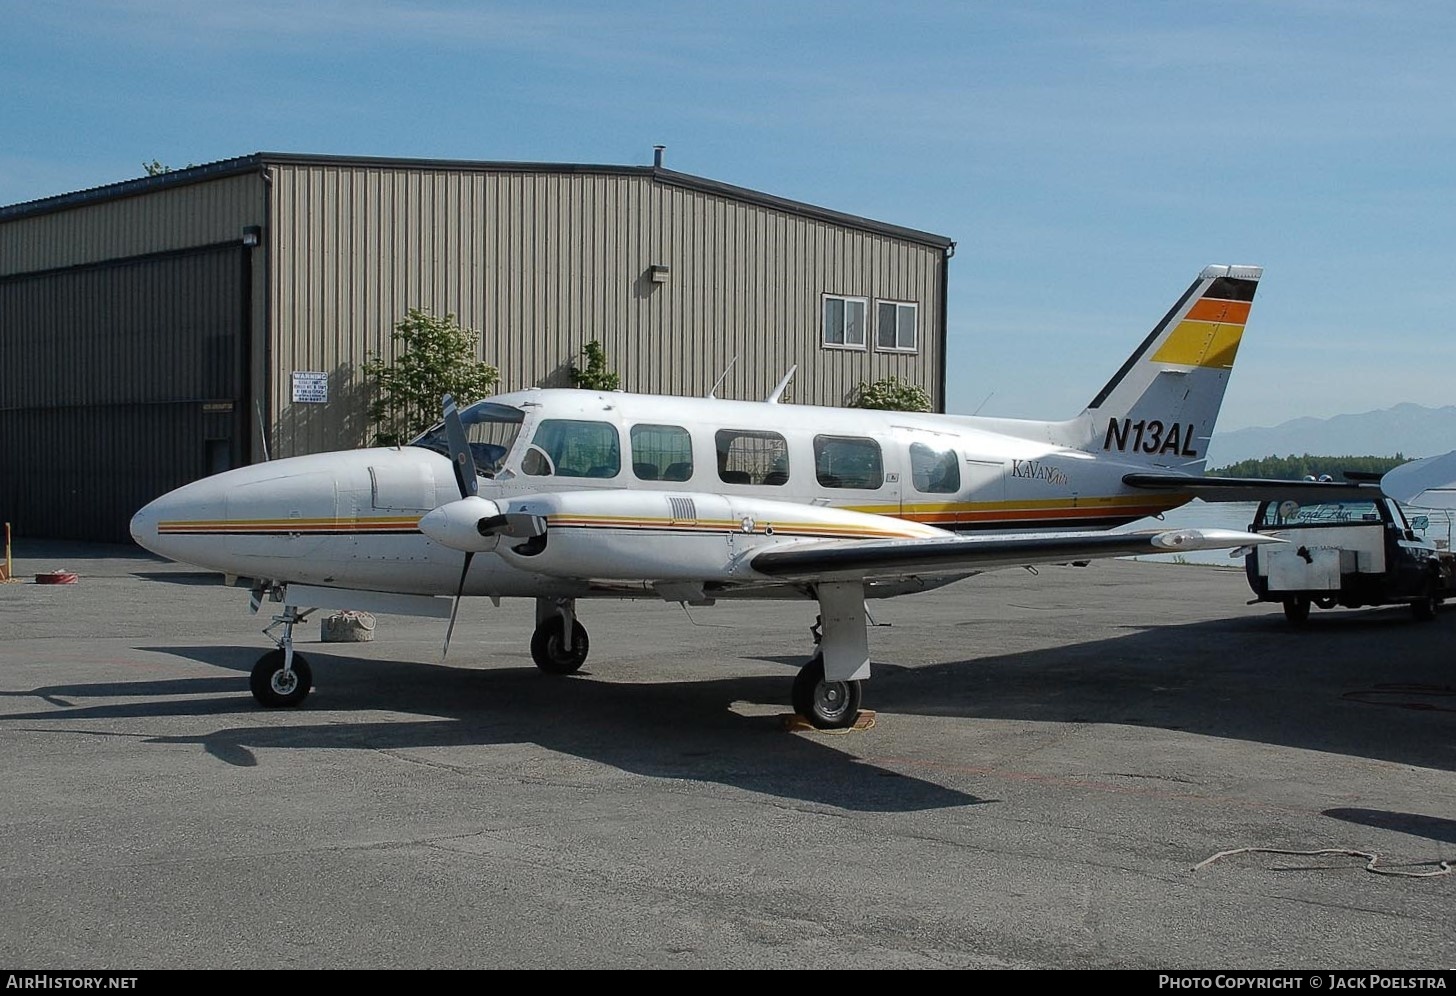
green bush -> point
(433, 357)
(891, 394)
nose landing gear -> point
(282, 677)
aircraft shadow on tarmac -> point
(1432, 827)
(1369, 684)
(680, 730)
(1372, 684)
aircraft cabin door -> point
(944, 487)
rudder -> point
(1161, 405)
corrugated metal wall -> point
(183, 217)
(114, 379)
(541, 262)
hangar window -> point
(572, 448)
(662, 453)
(895, 326)
(749, 457)
(844, 322)
(933, 471)
(848, 462)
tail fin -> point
(1160, 407)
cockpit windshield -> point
(491, 430)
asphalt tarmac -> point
(1052, 755)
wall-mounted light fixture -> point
(659, 272)
(252, 235)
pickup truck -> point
(1351, 552)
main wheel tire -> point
(827, 705)
(275, 688)
(1424, 609)
(548, 647)
(1296, 610)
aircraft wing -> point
(897, 558)
(1250, 489)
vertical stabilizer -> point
(1160, 406)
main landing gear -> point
(827, 691)
(282, 677)
(559, 645)
(827, 705)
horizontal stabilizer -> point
(1249, 489)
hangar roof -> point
(261, 160)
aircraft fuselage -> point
(689, 470)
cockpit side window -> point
(491, 430)
(573, 448)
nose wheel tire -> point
(548, 647)
(827, 705)
(274, 687)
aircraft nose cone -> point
(164, 525)
(144, 526)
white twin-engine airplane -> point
(560, 495)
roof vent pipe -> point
(657, 151)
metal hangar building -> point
(160, 329)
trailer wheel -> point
(1296, 609)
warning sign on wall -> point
(310, 387)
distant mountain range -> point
(1409, 429)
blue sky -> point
(1088, 158)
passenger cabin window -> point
(491, 430)
(749, 457)
(571, 448)
(848, 462)
(844, 322)
(933, 471)
(662, 453)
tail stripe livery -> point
(1209, 335)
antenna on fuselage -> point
(262, 430)
(778, 392)
(713, 391)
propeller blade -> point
(455, 608)
(460, 454)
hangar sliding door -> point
(118, 382)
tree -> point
(433, 357)
(1294, 468)
(595, 377)
(891, 394)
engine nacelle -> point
(661, 536)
